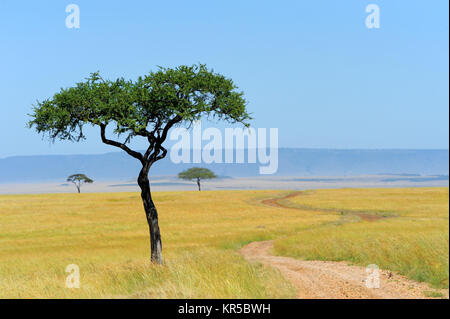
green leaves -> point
(79, 178)
(143, 107)
(196, 172)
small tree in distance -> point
(79, 179)
(197, 173)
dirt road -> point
(334, 280)
(278, 202)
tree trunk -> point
(152, 217)
(198, 183)
(77, 186)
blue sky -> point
(310, 68)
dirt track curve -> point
(333, 280)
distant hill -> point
(292, 162)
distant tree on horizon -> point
(79, 179)
(147, 108)
(197, 173)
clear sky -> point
(310, 68)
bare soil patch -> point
(278, 202)
(336, 280)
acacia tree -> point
(148, 107)
(197, 173)
(79, 179)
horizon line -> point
(294, 148)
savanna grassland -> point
(106, 235)
(403, 230)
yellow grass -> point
(411, 240)
(106, 235)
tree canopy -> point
(197, 172)
(79, 178)
(147, 107)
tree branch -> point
(152, 153)
(156, 138)
(168, 126)
(120, 145)
(156, 156)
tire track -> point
(334, 280)
(275, 202)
